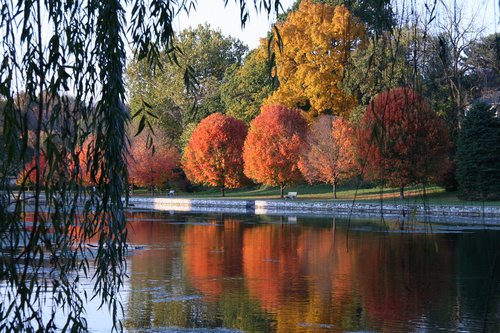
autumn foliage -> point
(88, 174)
(328, 155)
(29, 173)
(272, 148)
(317, 39)
(213, 155)
(401, 141)
(152, 167)
(65, 164)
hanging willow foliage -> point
(62, 95)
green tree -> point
(247, 86)
(377, 15)
(207, 54)
(478, 154)
(385, 63)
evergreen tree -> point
(478, 154)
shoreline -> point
(434, 213)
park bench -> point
(171, 193)
(291, 195)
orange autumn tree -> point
(273, 145)
(401, 140)
(328, 155)
(316, 43)
(152, 166)
(213, 155)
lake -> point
(245, 273)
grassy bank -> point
(414, 194)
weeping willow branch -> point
(63, 133)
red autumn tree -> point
(401, 141)
(328, 155)
(152, 166)
(273, 145)
(65, 162)
(213, 154)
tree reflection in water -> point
(213, 271)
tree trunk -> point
(223, 190)
(401, 192)
(282, 189)
(334, 188)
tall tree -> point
(213, 155)
(248, 85)
(478, 154)
(390, 61)
(207, 53)
(401, 141)
(457, 32)
(328, 155)
(483, 59)
(272, 147)
(377, 15)
(51, 47)
(317, 40)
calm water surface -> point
(236, 273)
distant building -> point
(491, 97)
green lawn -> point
(414, 194)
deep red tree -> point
(401, 140)
(213, 155)
(328, 155)
(273, 145)
(155, 165)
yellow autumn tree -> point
(317, 40)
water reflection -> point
(268, 275)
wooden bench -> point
(171, 193)
(291, 195)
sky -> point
(228, 20)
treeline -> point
(279, 148)
(348, 88)
(382, 99)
